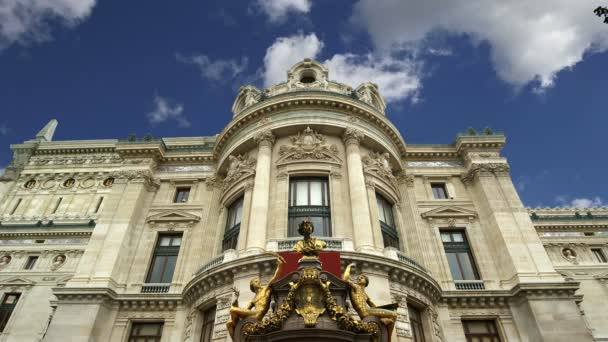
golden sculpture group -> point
(309, 296)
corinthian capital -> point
(264, 138)
(352, 136)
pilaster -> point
(256, 237)
(363, 236)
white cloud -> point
(2, 169)
(530, 40)
(586, 202)
(3, 129)
(396, 78)
(218, 70)
(277, 10)
(26, 21)
(287, 51)
(164, 111)
(582, 202)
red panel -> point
(330, 262)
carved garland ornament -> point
(487, 169)
(308, 145)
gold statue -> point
(309, 246)
(259, 305)
(360, 301)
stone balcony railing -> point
(333, 244)
(155, 288)
(469, 284)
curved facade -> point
(106, 240)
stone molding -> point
(404, 178)
(241, 166)
(172, 219)
(485, 170)
(352, 136)
(264, 138)
(308, 145)
(449, 212)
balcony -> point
(155, 288)
(469, 285)
(333, 244)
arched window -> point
(309, 197)
(387, 222)
(233, 225)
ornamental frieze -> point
(485, 170)
(76, 159)
(308, 145)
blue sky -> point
(536, 71)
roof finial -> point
(47, 132)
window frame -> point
(599, 255)
(443, 186)
(457, 248)
(323, 211)
(178, 190)
(5, 318)
(159, 251)
(420, 323)
(496, 336)
(157, 338)
(208, 318)
(232, 230)
(390, 234)
(30, 265)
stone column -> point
(256, 237)
(364, 239)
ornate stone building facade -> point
(112, 240)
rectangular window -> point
(459, 255)
(57, 205)
(31, 262)
(387, 222)
(416, 323)
(164, 259)
(599, 255)
(16, 206)
(480, 331)
(146, 332)
(439, 191)
(181, 195)
(309, 198)
(6, 308)
(99, 202)
(233, 225)
(208, 323)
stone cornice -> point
(145, 301)
(493, 298)
(494, 142)
(311, 100)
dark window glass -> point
(233, 225)
(439, 191)
(599, 255)
(146, 332)
(387, 222)
(165, 256)
(309, 197)
(480, 331)
(208, 323)
(6, 308)
(459, 255)
(31, 262)
(181, 195)
(416, 323)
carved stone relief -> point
(308, 145)
(241, 166)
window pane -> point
(302, 193)
(445, 237)
(239, 212)
(458, 237)
(165, 241)
(157, 269)
(316, 193)
(467, 266)
(381, 215)
(177, 241)
(454, 268)
(169, 268)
